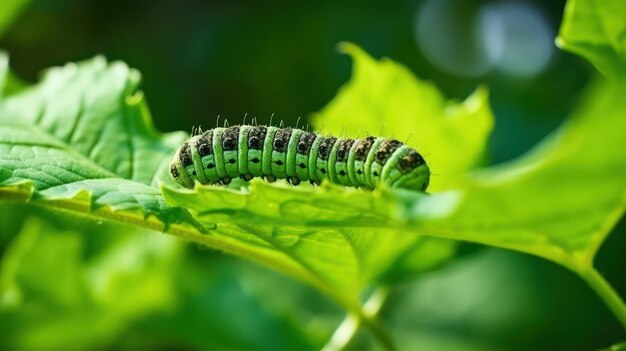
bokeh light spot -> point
(517, 38)
(469, 40)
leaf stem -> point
(349, 327)
(606, 292)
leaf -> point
(43, 168)
(100, 285)
(342, 240)
(9, 83)
(596, 30)
(561, 199)
(70, 139)
(94, 108)
(385, 97)
(222, 299)
(72, 143)
(71, 300)
(334, 238)
(558, 201)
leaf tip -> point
(351, 49)
(560, 43)
(478, 99)
(100, 61)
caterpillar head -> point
(415, 172)
(175, 174)
(179, 166)
(417, 179)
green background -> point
(200, 60)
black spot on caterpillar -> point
(218, 155)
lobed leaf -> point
(94, 109)
(385, 97)
(561, 199)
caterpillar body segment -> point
(221, 154)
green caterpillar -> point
(221, 154)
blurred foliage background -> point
(65, 284)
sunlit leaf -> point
(95, 110)
(596, 30)
(384, 97)
(81, 141)
(71, 301)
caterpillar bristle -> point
(408, 138)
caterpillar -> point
(246, 151)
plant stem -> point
(348, 329)
(606, 293)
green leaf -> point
(71, 300)
(125, 288)
(35, 165)
(94, 108)
(221, 299)
(561, 199)
(385, 97)
(81, 141)
(336, 239)
(558, 201)
(9, 83)
(339, 239)
(596, 30)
